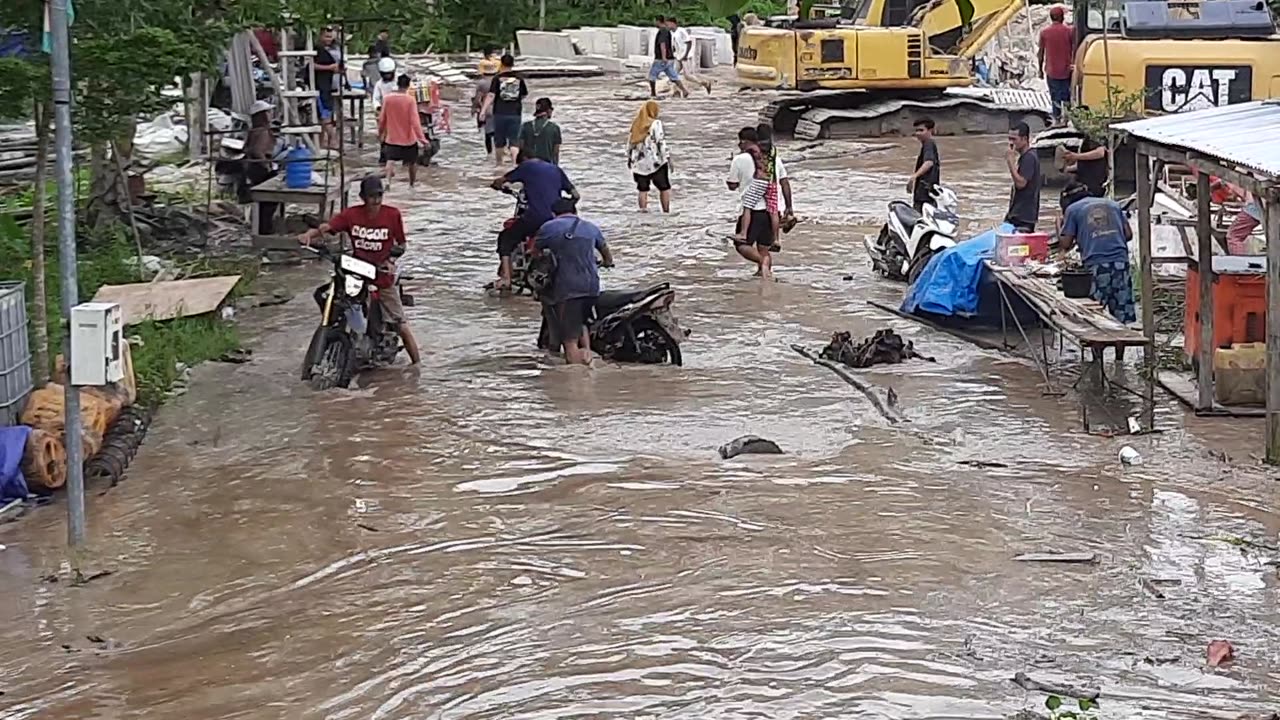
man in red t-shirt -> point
(1057, 55)
(374, 229)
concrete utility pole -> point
(60, 62)
(542, 14)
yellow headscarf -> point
(644, 120)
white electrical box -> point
(97, 331)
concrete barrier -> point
(722, 53)
(594, 41)
(629, 41)
(545, 44)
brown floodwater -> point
(499, 536)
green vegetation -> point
(112, 260)
(1121, 105)
(1085, 709)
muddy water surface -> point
(501, 537)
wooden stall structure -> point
(1237, 144)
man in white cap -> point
(386, 83)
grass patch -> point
(111, 260)
(159, 347)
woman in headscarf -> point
(649, 157)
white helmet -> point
(386, 65)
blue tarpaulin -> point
(13, 441)
(949, 284)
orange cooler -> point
(1239, 302)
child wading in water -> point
(762, 187)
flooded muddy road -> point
(499, 536)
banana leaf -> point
(966, 11)
(725, 8)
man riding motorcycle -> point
(374, 229)
(543, 184)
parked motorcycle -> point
(909, 239)
(352, 335)
(634, 326)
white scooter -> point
(909, 239)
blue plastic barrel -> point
(297, 169)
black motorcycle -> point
(352, 335)
(633, 326)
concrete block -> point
(545, 44)
(630, 41)
(638, 61)
(723, 49)
(593, 41)
(607, 63)
(704, 51)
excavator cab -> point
(1167, 56)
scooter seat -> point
(905, 214)
(611, 300)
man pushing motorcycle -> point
(375, 229)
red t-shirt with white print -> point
(372, 235)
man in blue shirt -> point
(544, 184)
(1101, 230)
(576, 285)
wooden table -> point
(1084, 320)
(355, 114)
(324, 199)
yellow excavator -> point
(1160, 57)
(864, 67)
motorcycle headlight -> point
(354, 285)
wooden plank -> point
(1083, 319)
(1145, 198)
(1183, 389)
(1272, 210)
(1204, 253)
(165, 300)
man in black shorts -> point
(576, 285)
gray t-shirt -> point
(1024, 202)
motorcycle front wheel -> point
(918, 264)
(336, 364)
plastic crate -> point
(15, 353)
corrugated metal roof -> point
(1243, 134)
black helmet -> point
(1071, 193)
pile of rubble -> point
(1011, 56)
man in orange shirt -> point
(1057, 56)
(400, 130)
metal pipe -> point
(60, 63)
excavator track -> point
(957, 111)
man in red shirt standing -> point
(374, 229)
(1057, 55)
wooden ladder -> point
(298, 117)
